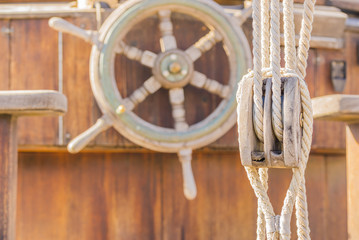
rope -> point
(263, 172)
(261, 223)
(275, 65)
(289, 35)
(257, 87)
(269, 225)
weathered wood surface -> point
(345, 108)
(270, 153)
(28, 41)
(139, 196)
(31, 1)
(348, 5)
(32, 102)
(224, 2)
(338, 107)
(352, 139)
(13, 105)
(8, 173)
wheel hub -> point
(173, 69)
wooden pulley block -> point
(272, 153)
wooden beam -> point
(47, 10)
(345, 108)
(338, 107)
(35, 102)
(14, 104)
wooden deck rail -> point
(14, 104)
(345, 108)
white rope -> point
(268, 224)
(263, 172)
(261, 223)
(289, 35)
(275, 65)
(257, 87)
(265, 34)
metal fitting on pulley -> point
(271, 152)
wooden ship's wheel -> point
(172, 69)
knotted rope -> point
(267, 37)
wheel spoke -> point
(201, 81)
(204, 44)
(168, 41)
(146, 58)
(149, 86)
(62, 25)
(178, 111)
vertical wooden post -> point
(352, 147)
(8, 176)
(12, 105)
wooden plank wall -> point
(139, 196)
(126, 192)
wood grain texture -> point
(336, 196)
(91, 196)
(32, 102)
(81, 114)
(315, 182)
(225, 206)
(140, 196)
(31, 1)
(5, 53)
(346, 5)
(336, 107)
(323, 86)
(352, 138)
(41, 73)
(318, 2)
(8, 174)
(33, 66)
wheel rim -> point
(132, 126)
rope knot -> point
(278, 224)
(273, 224)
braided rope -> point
(289, 35)
(257, 87)
(265, 34)
(275, 65)
(301, 206)
(306, 29)
(278, 227)
(261, 222)
(263, 172)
